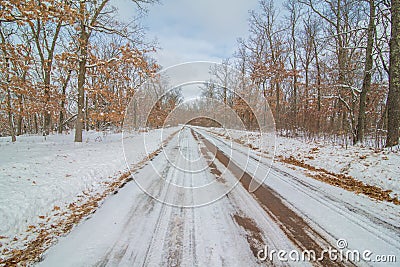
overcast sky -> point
(194, 30)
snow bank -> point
(41, 175)
(369, 165)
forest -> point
(329, 69)
(324, 67)
(68, 64)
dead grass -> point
(344, 181)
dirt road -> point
(191, 206)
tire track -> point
(161, 216)
(191, 231)
(145, 206)
(253, 226)
(294, 226)
(172, 223)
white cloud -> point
(178, 49)
(194, 30)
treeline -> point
(68, 64)
(324, 66)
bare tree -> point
(94, 16)
(6, 70)
(393, 101)
(45, 34)
(367, 73)
(268, 54)
(294, 15)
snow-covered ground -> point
(40, 177)
(42, 181)
(291, 212)
(133, 229)
(369, 165)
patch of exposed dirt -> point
(253, 233)
(205, 152)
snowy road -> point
(192, 211)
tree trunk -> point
(294, 74)
(35, 120)
(393, 101)
(62, 104)
(46, 112)
(85, 33)
(81, 95)
(367, 73)
(83, 46)
(341, 66)
(19, 118)
(277, 108)
(60, 122)
(8, 80)
(306, 85)
(86, 114)
(10, 116)
(318, 85)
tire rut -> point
(294, 226)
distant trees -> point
(163, 108)
(56, 72)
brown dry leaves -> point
(344, 181)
